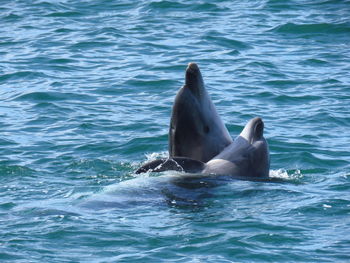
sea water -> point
(86, 90)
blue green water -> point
(86, 89)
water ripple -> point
(86, 90)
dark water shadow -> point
(168, 189)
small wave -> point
(41, 96)
(320, 206)
(275, 239)
(209, 7)
(10, 43)
(141, 81)
(315, 62)
(177, 6)
(53, 96)
(293, 100)
(21, 75)
(282, 83)
(64, 30)
(279, 5)
(287, 99)
(92, 44)
(62, 61)
(64, 14)
(52, 107)
(227, 42)
(47, 212)
(167, 5)
(7, 142)
(312, 28)
(13, 170)
(258, 65)
(12, 17)
(7, 205)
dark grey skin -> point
(247, 156)
(196, 130)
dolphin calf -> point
(196, 130)
(246, 156)
(200, 143)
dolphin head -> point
(258, 153)
(248, 155)
(254, 130)
(196, 130)
(193, 80)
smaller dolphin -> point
(246, 156)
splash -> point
(154, 156)
(286, 175)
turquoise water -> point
(86, 90)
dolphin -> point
(246, 156)
(196, 130)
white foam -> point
(154, 156)
(283, 174)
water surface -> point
(86, 90)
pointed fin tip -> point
(192, 66)
(254, 129)
(257, 120)
(258, 126)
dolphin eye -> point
(259, 130)
(206, 129)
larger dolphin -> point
(196, 130)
